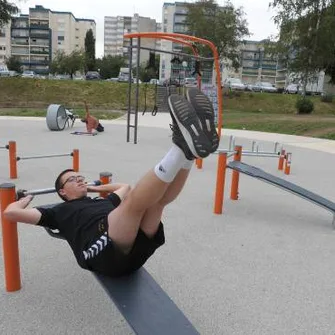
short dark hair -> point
(58, 183)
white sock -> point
(188, 165)
(169, 166)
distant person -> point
(92, 123)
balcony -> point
(37, 34)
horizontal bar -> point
(50, 190)
(246, 152)
(173, 53)
(42, 156)
(5, 147)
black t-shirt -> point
(80, 222)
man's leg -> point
(125, 220)
(152, 216)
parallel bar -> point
(52, 189)
(42, 156)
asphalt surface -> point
(265, 266)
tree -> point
(109, 66)
(306, 42)
(67, 64)
(90, 51)
(13, 64)
(225, 26)
(150, 70)
(7, 9)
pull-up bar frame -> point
(186, 40)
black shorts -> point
(111, 261)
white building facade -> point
(36, 37)
(116, 45)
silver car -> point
(234, 84)
(264, 86)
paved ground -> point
(263, 267)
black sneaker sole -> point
(189, 125)
(205, 112)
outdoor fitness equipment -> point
(140, 299)
(238, 167)
(13, 159)
(185, 40)
(58, 117)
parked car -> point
(234, 84)
(14, 74)
(171, 82)
(264, 86)
(154, 81)
(92, 75)
(28, 74)
(291, 89)
(191, 82)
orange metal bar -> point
(198, 162)
(235, 175)
(180, 38)
(220, 182)
(281, 160)
(12, 159)
(287, 169)
(105, 178)
(10, 240)
(75, 160)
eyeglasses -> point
(73, 179)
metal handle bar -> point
(43, 156)
(23, 193)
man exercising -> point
(116, 235)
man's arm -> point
(17, 211)
(120, 189)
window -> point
(60, 38)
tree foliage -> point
(306, 41)
(67, 64)
(109, 66)
(90, 51)
(150, 69)
(13, 64)
(7, 9)
(225, 26)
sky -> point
(258, 16)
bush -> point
(304, 105)
(328, 97)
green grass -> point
(108, 100)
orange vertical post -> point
(10, 240)
(287, 169)
(220, 182)
(198, 162)
(105, 178)
(12, 160)
(75, 160)
(281, 160)
(235, 175)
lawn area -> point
(106, 100)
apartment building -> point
(173, 21)
(257, 65)
(36, 37)
(4, 43)
(116, 45)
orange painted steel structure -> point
(13, 159)
(10, 240)
(186, 40)
(235, 175)
(105, 178)
(220, 182)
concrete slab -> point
(263, 267)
